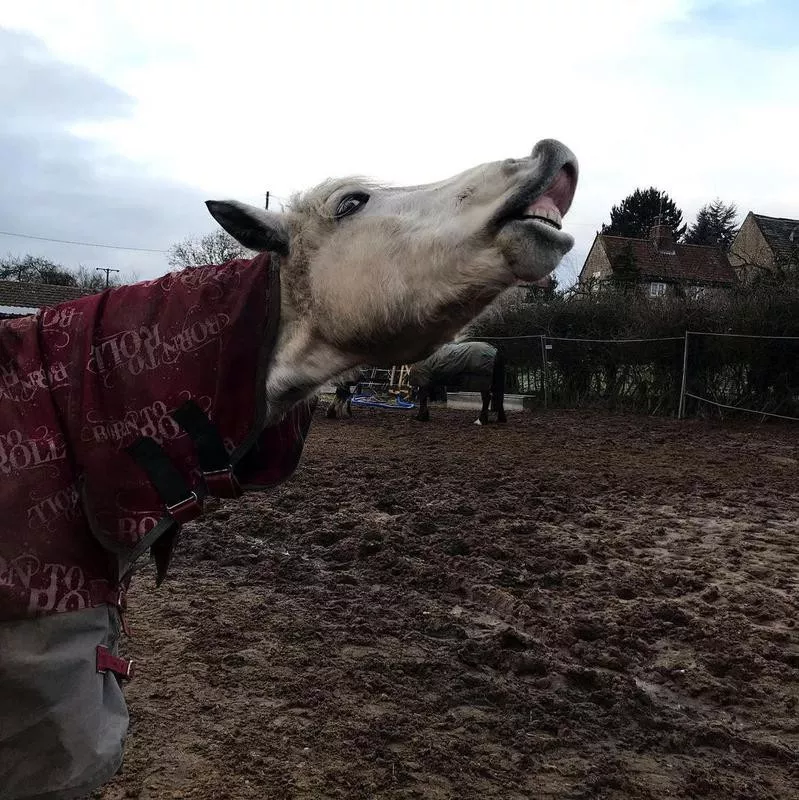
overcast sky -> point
(118, 119)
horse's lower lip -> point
(542, 228)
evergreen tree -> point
(716, 225)
(638, 212)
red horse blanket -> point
(119, 413)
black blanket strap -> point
(182, 504)
(220, 480)
(161, 550)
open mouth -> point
(551, 206)
(528, 226)
(545, 211)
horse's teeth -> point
(544, 212)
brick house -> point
(658, 265)
(762, 243)
(19, 298)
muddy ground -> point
(573, 606)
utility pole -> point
(106, 270)
(267, 202)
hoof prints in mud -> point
(570, 606)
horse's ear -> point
(250, 226)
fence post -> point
(544, 369)
(681, 410)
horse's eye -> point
(351, 203)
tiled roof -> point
(690, 263)
(781, 234)
(24, 296)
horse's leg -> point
(501, 406)
(498, 387)
(349, 406)
(483, 418)
(424, 413)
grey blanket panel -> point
(62, 724)
(451, 361)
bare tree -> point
(213, 248)
(35, 269)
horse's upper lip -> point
(561, 191)
(556, 198)
(550, 203)
(557, 195)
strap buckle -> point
(103, 593)
(166, 479)
(121, 602)
(212, 455)
(185, 510)
(223, 483)
(107, 662)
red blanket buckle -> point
(186, 510)
(107, 662)
(223, 483)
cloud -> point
(770, 25)
(58, 185)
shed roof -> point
(21, 297)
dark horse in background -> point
(468, 366)
(342, 402)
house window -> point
(657, 289)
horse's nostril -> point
(509, 166)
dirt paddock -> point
(575, 605)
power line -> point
(82, 244)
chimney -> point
(662, 238)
